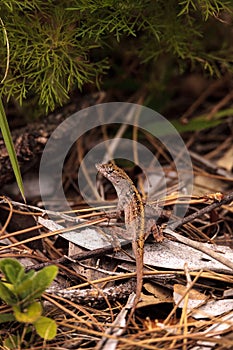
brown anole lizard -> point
(130, 201)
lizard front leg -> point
(154, 229)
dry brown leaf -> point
(157, 295)
(195, 298)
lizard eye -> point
(110, 170)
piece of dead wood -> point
(117, 328)
(201, 247)
(225, 200)
(92, 296)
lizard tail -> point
(139, 270)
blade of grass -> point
(10, 148)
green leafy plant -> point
(4, 127)
(10, 148)
(21, 290)
(58, 46)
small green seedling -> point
(21, 291)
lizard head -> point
(112, 172)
